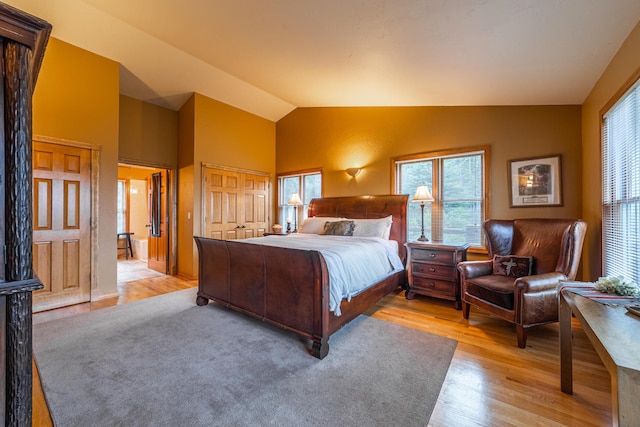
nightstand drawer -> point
(441, 257)
(433, 286)
(437, 271)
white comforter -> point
(354, 263)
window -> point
(121, 209)
(621, 187)
(457, 180)
(307, 184)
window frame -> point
(286, 211)
(620, 192)
(124, 213)
(436, 188)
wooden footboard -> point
(288, 288)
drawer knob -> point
(432, 269)
(432, 255)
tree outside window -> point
(458, 185)
(307, 184)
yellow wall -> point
(221, 135)
(186, 120)
(138, 210)
(76, 98)
(228, 136)
(622, 71)
(148, 133)
(339, 138)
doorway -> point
(143, 222)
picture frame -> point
(535, 182)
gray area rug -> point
(164, 361)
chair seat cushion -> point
(496, 289)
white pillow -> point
(315, 225)
(380, 227)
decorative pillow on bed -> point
(379, 227)
(315, 225)
(512, 266)
(338, 228)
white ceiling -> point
(271, 56)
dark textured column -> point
(19, 356)
(18, 230)
(17, 106)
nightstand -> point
(432, 270)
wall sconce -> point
(295, 201)
(353, 172)
(422, 195)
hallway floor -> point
(134, 269)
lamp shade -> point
(353, 172)
(295, 199)
(422, 194)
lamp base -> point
(422, 239)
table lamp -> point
(295, 202)
(422, 195)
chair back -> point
(554, 243)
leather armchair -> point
(556, 247)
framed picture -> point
(535, 182)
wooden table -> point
(615, 335)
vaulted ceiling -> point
(270, 56)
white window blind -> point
(621, 188)
(121, 208)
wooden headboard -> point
(368, 207)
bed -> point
(289, 287)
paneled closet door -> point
(61, 227)
(236, 204)
(256, 205)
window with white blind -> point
(621, 187)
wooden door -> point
(61, 225)
(223, 210)
(236, 204)
(255, 205)
(157, 238)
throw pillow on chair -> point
(512, 266)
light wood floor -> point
(491, 382)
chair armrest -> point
(471, 269)
(539, 282)
(536, 298)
